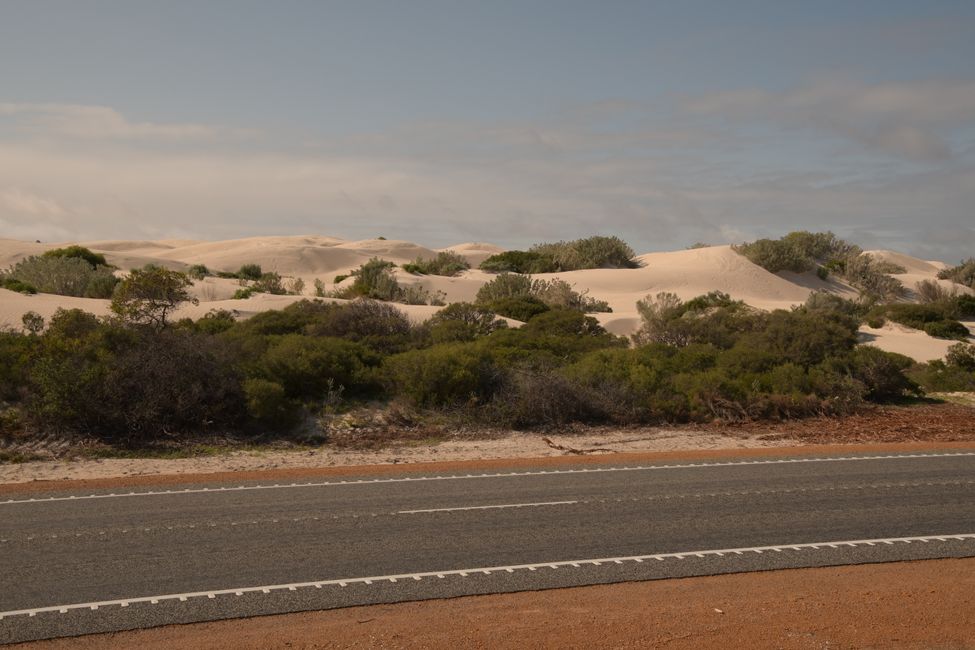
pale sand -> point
(515, 445)
(687, 273)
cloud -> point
(912, 120)
(99, 122)
(658, 180)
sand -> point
(687, 273)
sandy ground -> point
(929, 604)
(687, 273)
(512, 446)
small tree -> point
(33, 322)
(149, 295)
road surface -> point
(98, 560)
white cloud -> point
(906, 119)
(99, 122)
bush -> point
(305, 366)
(463, 321)
(250, 272)
(198, 271)
(523, 290)
(446, 263)
(375, 280)
(132, 386)
(524, 308)
(589, 253)
(441, 376)
(64, 276)
(269, 283)
(961, 355)
(33, 322)
(12, 284)
(963, 274)
(947, 329)
(149, 295)
(929, 291)
(268, 403)
(243, 293)
(518, 262)
(882, 373)
(79, 252)
(377, 325)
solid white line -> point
(266, 589)
(456, 477)
(493, 507)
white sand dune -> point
(687, 273)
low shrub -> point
(249, 272)
(441, 376)
(446, 263)
(80, 252)
(198, 271)
(375, 280)
(63, 275)
(13, 284)
(589, 253)
(963, 274)
(519, 293)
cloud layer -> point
(889, 164)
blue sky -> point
(511, 122)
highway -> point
(104, 560)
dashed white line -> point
(455, 477)
(345, 582)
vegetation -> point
(939, 318)
(67, 273)
(963, 274)
(149, 295)
(78, 252)
(520, 297)
(825, 253)
(446, 263)
(139, 377)
(375, 280)
(589, 253)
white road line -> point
(492, 507)
(343, 582)
(487, 475)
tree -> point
(33, 322)
(149, 295)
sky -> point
(512, 122)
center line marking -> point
(491, 507)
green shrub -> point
(446, 263)
(12, 284)
(250, 272)
(377, 325)
(441, 376)
(198, 271)
(947, 329)
(341, 278)
(305, 365)
(882, 373)
(375, 280)
(269, 282)
(149, 295)
(33, 322)
(268, 403)
(526, 262)
(963, 274)
(938, 377)
(553, 293)
(63, 275)
(80, 252)
(590, 253)
(463, 321)
(524, 308)
(961, 355)
(243, 293)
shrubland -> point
(589, 253)
(72, 271)
(826, 253)
(446, 263)
(139, 377)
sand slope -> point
(687, 273)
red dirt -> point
(472, 465)
(928, 604)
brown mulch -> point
(912, 423)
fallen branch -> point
(578, 452)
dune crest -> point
(686, 273)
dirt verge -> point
(929, 604)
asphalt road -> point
(73, 563)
